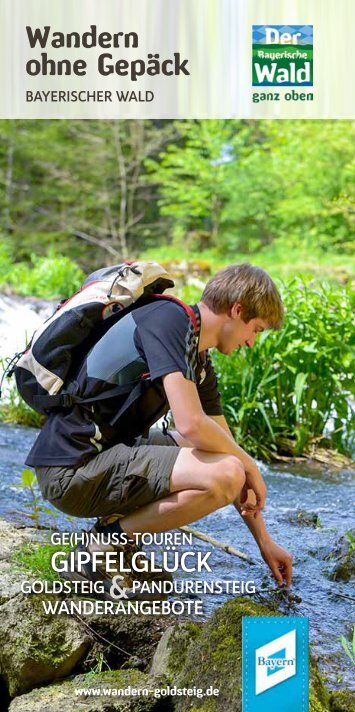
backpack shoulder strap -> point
(189, 310)
(67, 399)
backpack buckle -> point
(66, 400)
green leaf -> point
(300, 383)
(261, 407)
(28, 478)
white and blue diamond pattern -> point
(306, 31)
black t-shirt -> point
(157, 338)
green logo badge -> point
(282, 55)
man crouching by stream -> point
(159, 481)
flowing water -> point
(326, 603)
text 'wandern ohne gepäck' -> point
(152, 64)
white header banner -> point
(177, 59)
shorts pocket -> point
(76, 499)
(50, 481)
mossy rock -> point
(343, 558)
(342, 701)
(318, 694)
(344, 567)
(12, 537)
(345, 570)
(132, 637)
(215, 659)
(170, 655)
(36, 648)
(305, 519)
(10, 582)
(61, 697)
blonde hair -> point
(249, 286)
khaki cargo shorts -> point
(117, 481)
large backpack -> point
(44, 369)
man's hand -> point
(278, 560)
(253, 494)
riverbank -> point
(320, 492)
(45, 659)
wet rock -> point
(10, 582)
(342, 558)
(36, 648)
(345, 570)
(63, 698)
(12, 538)
(214, 659)
(342, 701)
(133, 639)
(170, 655)
(305, 519)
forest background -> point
(197, 195)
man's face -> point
(235, 332)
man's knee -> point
(228, 480)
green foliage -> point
(51, 277)
(279, 259)
(349, 647)
(285, 390)
(15, 410)
(351, 539)
(190, 294)
(97, 667)
(106, 190)
(224, 191)
(293, 184)
(76, 184)
(6, 260)
(36, 559)
(35, 506)
(192, 181)
(240, 186)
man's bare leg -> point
(200, 483)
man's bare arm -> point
(277, 558)
(256, 525)
(213, 435)
(206, 434)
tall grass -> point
(295, 386)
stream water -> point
(329, 494)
